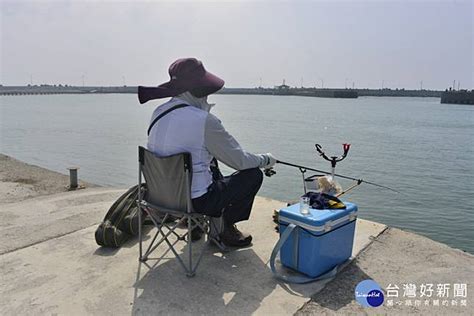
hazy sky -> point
(365, 42)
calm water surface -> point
(421, 147)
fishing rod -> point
(359, 181)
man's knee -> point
(255, 175)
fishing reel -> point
(269, 172)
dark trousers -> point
(231, 196)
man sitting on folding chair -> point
(184, 124)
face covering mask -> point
(197, 102)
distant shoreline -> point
(448, 96)
(278, 90)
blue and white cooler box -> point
(321, 240)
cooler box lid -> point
(318, 221)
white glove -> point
(269, 161)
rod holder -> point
(73, 183)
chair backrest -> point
(168, 179)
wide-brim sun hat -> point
(186, 74)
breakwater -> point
(333, 93)
(63, 89)
(278, 90)
(285, 90)
(458, 97)
(399, 93)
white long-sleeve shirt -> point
(190, 129)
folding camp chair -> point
(168, 195)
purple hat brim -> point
(200, 87)
(206, 85)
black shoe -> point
(196, 233)
(232, 237)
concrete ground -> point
(50, 264)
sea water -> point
(416, 145)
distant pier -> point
(333, 93)
(62, 89)
(458, 97)
(286, 90)
(282, 90)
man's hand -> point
(269, 161)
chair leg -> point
(190, 272)
(189, 264)
(147, 252)
(159, 226)
(199, 222)
(140, 237)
